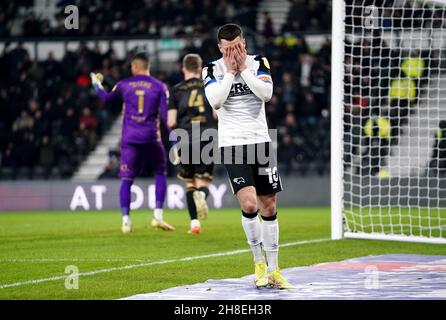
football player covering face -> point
(238, 85)
(234, 54)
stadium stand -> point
(51, 120)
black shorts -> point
(190, 169)
(252, 165)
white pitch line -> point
(38, 260)
(133, 266)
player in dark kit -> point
(145, 104)
(189, 110)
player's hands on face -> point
(230, 60)
(240, 56)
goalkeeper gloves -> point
(96, 80)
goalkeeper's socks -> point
(124, 196)
(126, 220)
(253, 230)
(158, 214)
(160, 190)
(191, 203)
(270, 231)
(205, 190)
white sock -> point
(270, 231)
(158, 214)
(253, 231)
(195, 223)
(126, 220)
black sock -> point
(272, 218)
(250, 215)
(191, 203)
(205, 190)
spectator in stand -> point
(308, 110)
(288, 89)
(286, 154)
(111, 170)
(88, 125)
(437, 165)
(46, 156)
(377, 133)
(267, 30)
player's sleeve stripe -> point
(262, 72)
(211, 81)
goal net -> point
(389, 111)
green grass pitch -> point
(40, 245)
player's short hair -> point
(141, 56)
(229, 32)
(192, 62)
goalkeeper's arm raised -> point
(96, 81)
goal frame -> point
(337, 138)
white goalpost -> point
(388, 120)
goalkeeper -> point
(145, 103)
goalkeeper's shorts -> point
(252, 165)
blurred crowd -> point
(156, 18)
(51, 119)
(382, 85)
(396, 14)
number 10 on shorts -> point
(273, 176)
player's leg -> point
(195, 225)
(241, 178)
(157, 154)
(203, 178)
(270, 229)
(268, 184)
(128, 169)
(270, 232)
(187, 175)
(247, 198)
(124, 199)
(160, 195)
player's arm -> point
(216, 91)
(164, 105)
(173, 112)
(96, 81)
(261, 84)
(172, 118)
